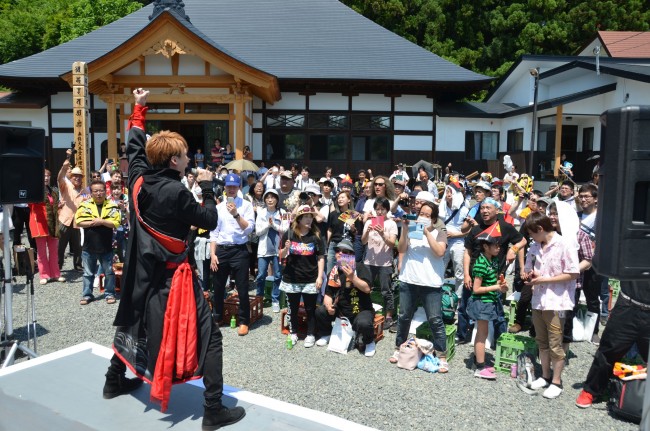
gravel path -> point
(370, 391)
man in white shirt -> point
(229, 251)
(271, 178)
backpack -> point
(449, 303)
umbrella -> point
(242, 165)
(428, 167)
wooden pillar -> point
(558, 140)
(111, 127)
(240, 125)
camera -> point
(404, 202)
(411, 217)
(304, 197)
(527, 195)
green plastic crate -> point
(509, 346)
(510, 312)
(424, 331)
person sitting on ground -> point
(380, 238)
(304, 251)
(98, 216)
(484, 303)
(552, 269)
(348, 295)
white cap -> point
(426, 196)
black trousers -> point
(591, 286)
(20, 219)
(68, 234)
(309, 300)
(523, 305)
(362, 324)
(212, 368)
(232, 260)
(627, 324)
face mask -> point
(426, 222)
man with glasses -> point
(98, 216)
(348, 295)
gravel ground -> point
(370, 391)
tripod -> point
(9, 342)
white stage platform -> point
(63, 391)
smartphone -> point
(230, 200)
(111, 161)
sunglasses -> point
(344, 252)
(380, 184)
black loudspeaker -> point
(623, 221)
(22, 162)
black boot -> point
(118, 384)
(216, 417)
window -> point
(327, 147)
(164, 108)
(481, 145)
(370, 122)
(287, 146)
(515, 140)
(374, 148)
(285, 120)
(207, 108)
(588, 139)
(328, 121)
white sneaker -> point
(275, 307)
(540, 383)
(370, 349)
(61, 279)
(552, 392)
(310, 340)
(294, 339)
(43, 281)
(323, 341)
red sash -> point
(177, 359)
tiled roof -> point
(627, 44)
(291, 39)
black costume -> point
(168, 208)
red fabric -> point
(174, 245)
(137, 118)
(177, 358)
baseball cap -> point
(233, 180)
(326, 180)
(483, 185)
(286, 174)
(344, 244)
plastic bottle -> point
(289, 342)
(513, 370)
(233, 322)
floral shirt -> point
(558, 257)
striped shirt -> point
(488, 272)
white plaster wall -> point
(638, 93)
(63, 120)
(520, 92)
(450, 132)
(190, 65)
(585, 81)
(258, 121)
(37, 117)
(214, 70)
(413, 103)
(61, 100)
(370, 102)
(132, 69)
(290, 101)
(256, 146)
(98, 103)
(334, 102)
(257, 102)
(157, 65)
(62, 140)
(413, 143)
(413, 123)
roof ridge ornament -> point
(159, 6)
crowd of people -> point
(326, 241)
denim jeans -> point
(263, 263)
(431, 297)
(455, 253)
(90, 264)
(464, 323)
(331, 258)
